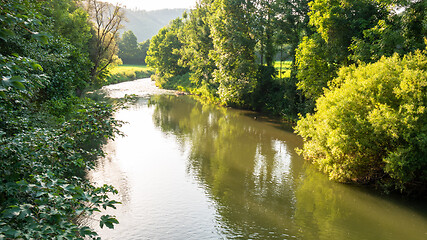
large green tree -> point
(128, 47)
(336, 22)
(44, 128)
(234, 55)
(164, 52)
(197, 46)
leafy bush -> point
(372, 125)
(45, 154)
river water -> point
(186, 170)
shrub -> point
(372, 125)
(45, 154)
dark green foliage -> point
(130, 51)
(143, 50)
(45, 155)
(48, 137)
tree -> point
(337, 23)
(164, 55)
(197, 45)
(370, 127)
(143, 50)
(128, 47)
(315, 66)
(107, 21)
(234, 50)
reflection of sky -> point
(160, 201)
(272, 174)
(282, 162)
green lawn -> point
(127, 68)
(286, 68)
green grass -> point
(286, 69)
(127, 68)
(123, 73)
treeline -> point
(50, 52)
(357, 83)
(130, 51)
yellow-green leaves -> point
(372, 122)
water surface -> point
(186, 170)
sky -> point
(149, 5)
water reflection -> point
(197, 171)
(262, 188)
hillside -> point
(146, 24)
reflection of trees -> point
(243, 164)
(260, 187)
(328, 210)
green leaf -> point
(41, 37)
(86, 231)
(12, 233)
(11, 212)
(14, 81)
(36, 66)
(6, 33)
(18, 85)
(108, 221)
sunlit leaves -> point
(371, 124)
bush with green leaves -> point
(371, 126)
(45, 154)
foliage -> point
(107, 22)
(45, 155)
(143, 50)
(49, 137)
(233, 52)
(315, 66)
(130, 51)
(163, 54)
(371, 125)
(197, 45)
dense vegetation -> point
(357, 78)
(50, 136)
(130, 51)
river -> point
(186, 170)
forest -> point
(357, 89)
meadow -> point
(127, 72)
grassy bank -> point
(285, 66)
(123, 73)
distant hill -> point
(146, 24)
